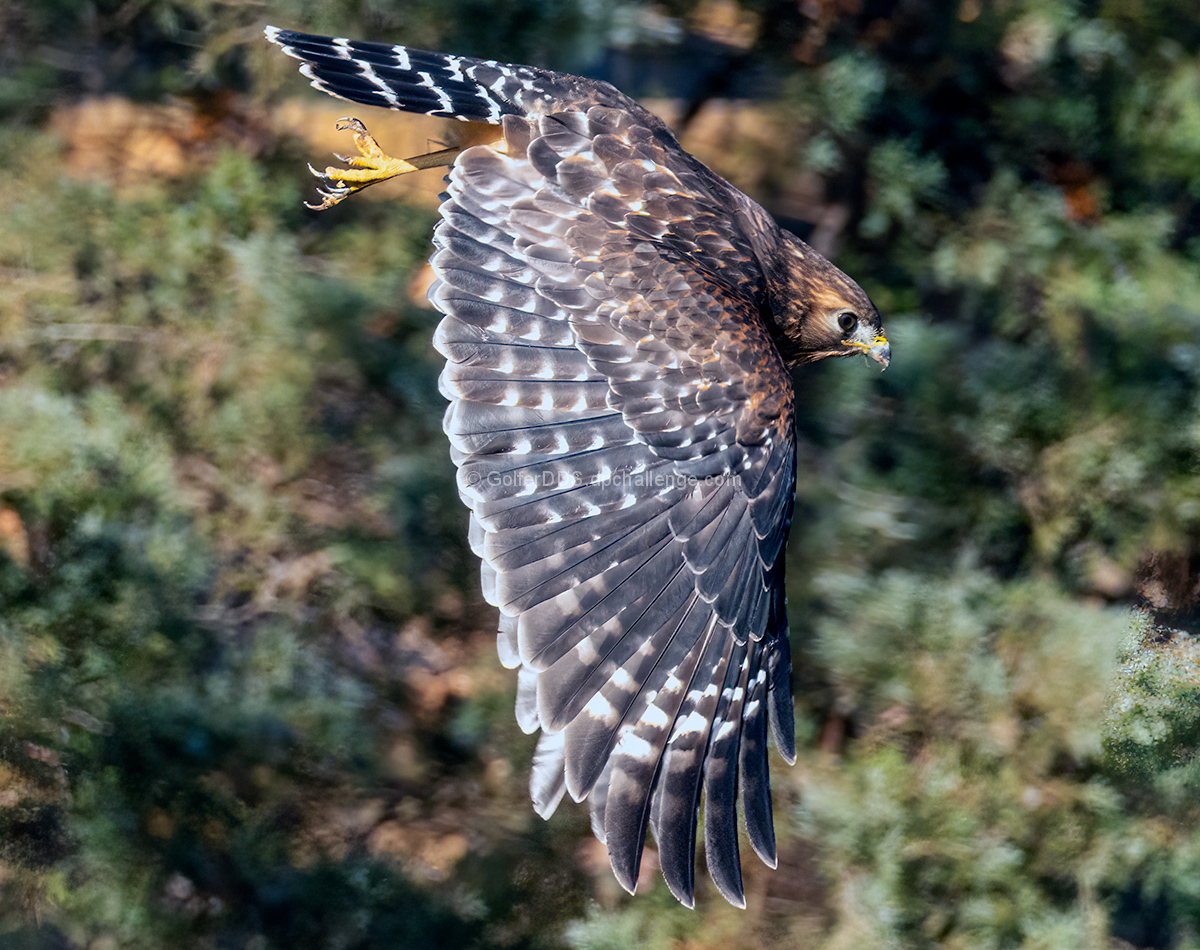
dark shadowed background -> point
(248, 690)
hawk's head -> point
(819, 311)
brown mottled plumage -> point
(619, 328)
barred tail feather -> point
(411, 80)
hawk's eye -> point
(847, 320)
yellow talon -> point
(370, 166)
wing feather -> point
(547, 781)
(752, 760)
(676, 804)
(635, 764)
(627, 475)
(721, 781)
(622, 425)
(591, 737)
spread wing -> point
(622, 425)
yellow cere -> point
(880, 340)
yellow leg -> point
(370, 166)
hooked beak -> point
(880, 351)
(876, 348)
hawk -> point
(620, 324)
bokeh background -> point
(248, 689)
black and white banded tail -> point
(412, 80)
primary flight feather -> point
(620, 327)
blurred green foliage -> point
(248, 696)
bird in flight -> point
(620, 325)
